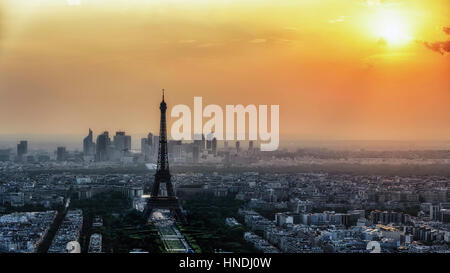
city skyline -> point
(49, 142)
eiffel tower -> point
(162, 175)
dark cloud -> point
(441, 47)
(446, 30)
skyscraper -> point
(103, 143)
(150, 139)
(238, 146)
(155, 143)
(209, 138)
(127, 147)
(22, 148)
(119, 141)
(214, 145)
(195, 153)
(122, 144)
(202, 147)
(88, 145)
(61, 153)
(147, 148)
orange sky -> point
(338, 69)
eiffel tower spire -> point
(162, 170)
(162, 174)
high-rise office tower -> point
(155, 143)
(202, 147)
(89, 145)
(122, 142)
(103, 143)
(127, 147)
(238, 146)
(147, 146)
(119, 141)
(22, 148)
(150, 139)
(61, 153)
(144, 147)
(195, 153)
(177, 151)
(150, 143)
(209, 138)
(214, 146)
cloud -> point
(446, 30)
(441, 47)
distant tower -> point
(162, 174)
(202, 147)
(238, 146)
(162, 171)
(155, 143)
(122, 143)
(195, 153)
(22, 148)
(88, 145)
(209, 138)
(150, 139)
(103, 144)
(145, 148)
(61, 153)
(214, 145)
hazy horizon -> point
(49, 142)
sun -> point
(392, 27)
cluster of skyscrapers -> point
(118, 148)
(105, 149)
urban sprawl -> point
(287, 210)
